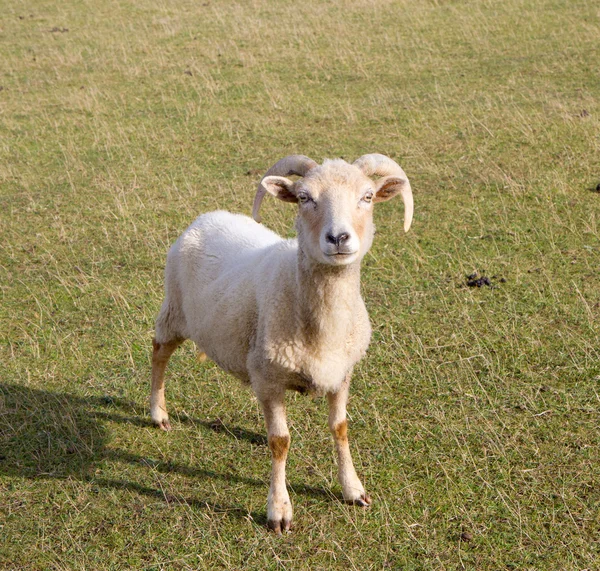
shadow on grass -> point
(216, 425)
(58, 435)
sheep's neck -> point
(329, 297)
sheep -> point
(282, 314)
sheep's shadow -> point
(44, 434)
(216, 425)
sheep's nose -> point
(339, 239)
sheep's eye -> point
(303, 197)
(368, 197)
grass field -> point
(475, 419)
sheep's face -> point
(335, 210)
(335, 213)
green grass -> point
(475, 417)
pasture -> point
(474, 420)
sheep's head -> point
(335, 202)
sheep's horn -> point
(292, 164)
(380, 165)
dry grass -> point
(474, 421)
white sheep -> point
(282, 314)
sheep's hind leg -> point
(160, 357)
(352, 488)
(279, 506)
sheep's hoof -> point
(279, 525)
(164, 425)
(364, 501)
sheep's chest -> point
(317, 377)
(316, 371)
(318, 361)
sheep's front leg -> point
(352, 488)
(279, 506)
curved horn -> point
(292, 164)
(380, 165)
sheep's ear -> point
(280, 187)
(388, 187)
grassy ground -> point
(474, 420)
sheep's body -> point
(232, 288)
(210, 283)
(282, 314)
